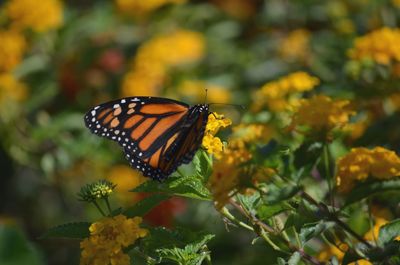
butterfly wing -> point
(147, 128)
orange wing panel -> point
(161, 127)
(162, 108)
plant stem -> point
(328, 175)
(225, 212)
(98, 208)
(108, 205)
(332, 216)
(267, 229)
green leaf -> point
(312, 230)
(145, 205)
(294, 259)
(77, 230)
(370, 188)
(203, 165)
(388, 232)
(187, 186)
(192, 254)
(350, 256)
(308, 154)
(15, 248)
(265, 212)
(276, 194)
(249, 202)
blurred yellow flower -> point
(277, 94)
(40, 15)
(380, 45)
(225, 176)
(196, 91)
(155, 57)
(332, 251)
(396, 3)
(228, 172)
(13, 46)
(126, 179)
(213, 144)
(11, 88)
(321, 113)
(362, 163)
(295, 47)
(107, 239)
(142, 8)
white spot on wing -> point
(93, 112)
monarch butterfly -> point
(156, 134)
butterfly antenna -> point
(228, 104)
(205, 98)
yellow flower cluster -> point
(142, 8)
(380, 46)
(195, 90)
(213, 144)
(107, 239)
(321, 113)
(295, 47)
(39, 16)
(279, 95)
(362, 163)
(11, 89)
(13, 46)
(155, 57)
(227, 170)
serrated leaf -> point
(191, 254)
(249, 202)
(370, 188)
(389, 232)
(203, 165)
(294, 259)
(187, 186)
(310, 231)
(77, 230)
(145, 205)
(264, 212)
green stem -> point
(225, 212)
(108, 205)
(98, 208)
(208, 159)
(328, 174)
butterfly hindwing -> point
(157, 134)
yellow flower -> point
(155, 57)
(295, 47)
(213, 144)
(40, 15)
(362, 163)
(396, 3)
(246, 133)
(277, 94)
(107, 239)
(11, 89)
(332, 251)
(142, 8)
(321, 113)
(380, 45)
(13, 46)
(195, 90)
(126, 179)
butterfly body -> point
(157, 134)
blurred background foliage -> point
(58, 59)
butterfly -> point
(156, 134)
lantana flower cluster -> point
(281, 94)
(108, 238)
(155, 57)
(361, 163)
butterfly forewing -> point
(157, 134)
